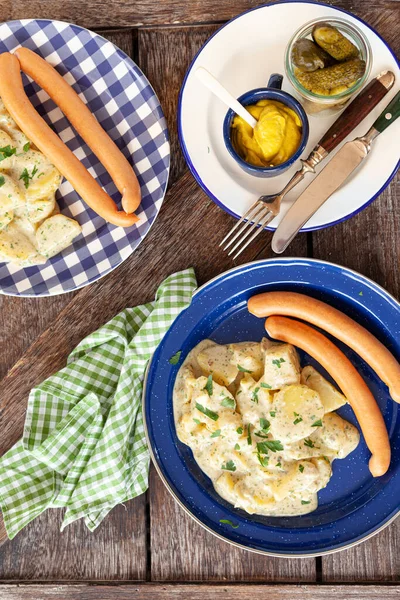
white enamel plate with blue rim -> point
(124, 103)
(242, 55)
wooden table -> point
(150, 548)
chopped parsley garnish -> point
(26, 146)
(249, 440)
(263, 460)
(297, 420)
(239, 430)
(273, 445)
(197, 421)
(6, 152)
(306, 501)
(229, 466)
(266, 385)
(243, 370)
(25, 175)
(317, 423)
(229, 522)
(265, 425)
(272, 413)
(309, 443)
(229, 402)
(278, 361)
(360, 294)
(301, 468)
(279, 464)
(254, 395)
(216, 433)
(2, 180)
(209, 413)
(209, 385)
(237, 447)
(175, 358)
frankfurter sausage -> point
(348, 379)
(36, 129)
(292, 304)
(85, 124)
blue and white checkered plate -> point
(125, 104)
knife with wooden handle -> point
(352, 116)
(349, 157)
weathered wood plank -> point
(40, 551)
(198, 592)
(97, 303)
(23, 319)
(368, 243)
(116, 551)
(99, 13)
(164, 55)
(377, 559)
(190, 553)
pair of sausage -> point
(36, 129)
(292, 304)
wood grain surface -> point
(152, 538)
(101, 13)
(198, 592)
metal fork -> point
(266, 208)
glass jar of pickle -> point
(310, 84)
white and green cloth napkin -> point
(84, 446)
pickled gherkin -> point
(333, 42)
(323, 81)
(307, 56)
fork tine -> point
(255, 217)
(246, 216)
(269, 216)
(260, 216)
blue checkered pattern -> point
(124, 103)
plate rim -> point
(296, 555)
(127, 58)
(185, 151)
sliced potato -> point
(338, 435)
(37, 176)
(7, 152)
(55, 234)
(248, 356)
(331, 398)
(298, 411)
(10, 194)
(40, 209)
(6, 218)
(14, 245)
(216, 361)
(281, 366)
(252, 401)
(211, 397)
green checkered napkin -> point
(83, 445)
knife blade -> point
(345, 161)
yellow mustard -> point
(274, 139)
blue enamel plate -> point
(125, 104)
(354, 505)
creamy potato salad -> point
(263, 429)
(31, 226)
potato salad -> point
(263, 429)
(31, 227)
